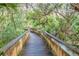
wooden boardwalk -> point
(30, 43)
(35, 47)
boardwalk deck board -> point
(35, 47)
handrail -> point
(69, 49)
(63, 43)
(11, 43)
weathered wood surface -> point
(35, 47)
(14, 47)
(57, 46)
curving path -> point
(35, 47)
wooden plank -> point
(58, 46)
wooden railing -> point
(56, 46)
(14, 47)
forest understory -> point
(61, 20)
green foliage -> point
(47, 17)
(10, 23)
(57, 19)
(2, 53)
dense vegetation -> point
(60, 20)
